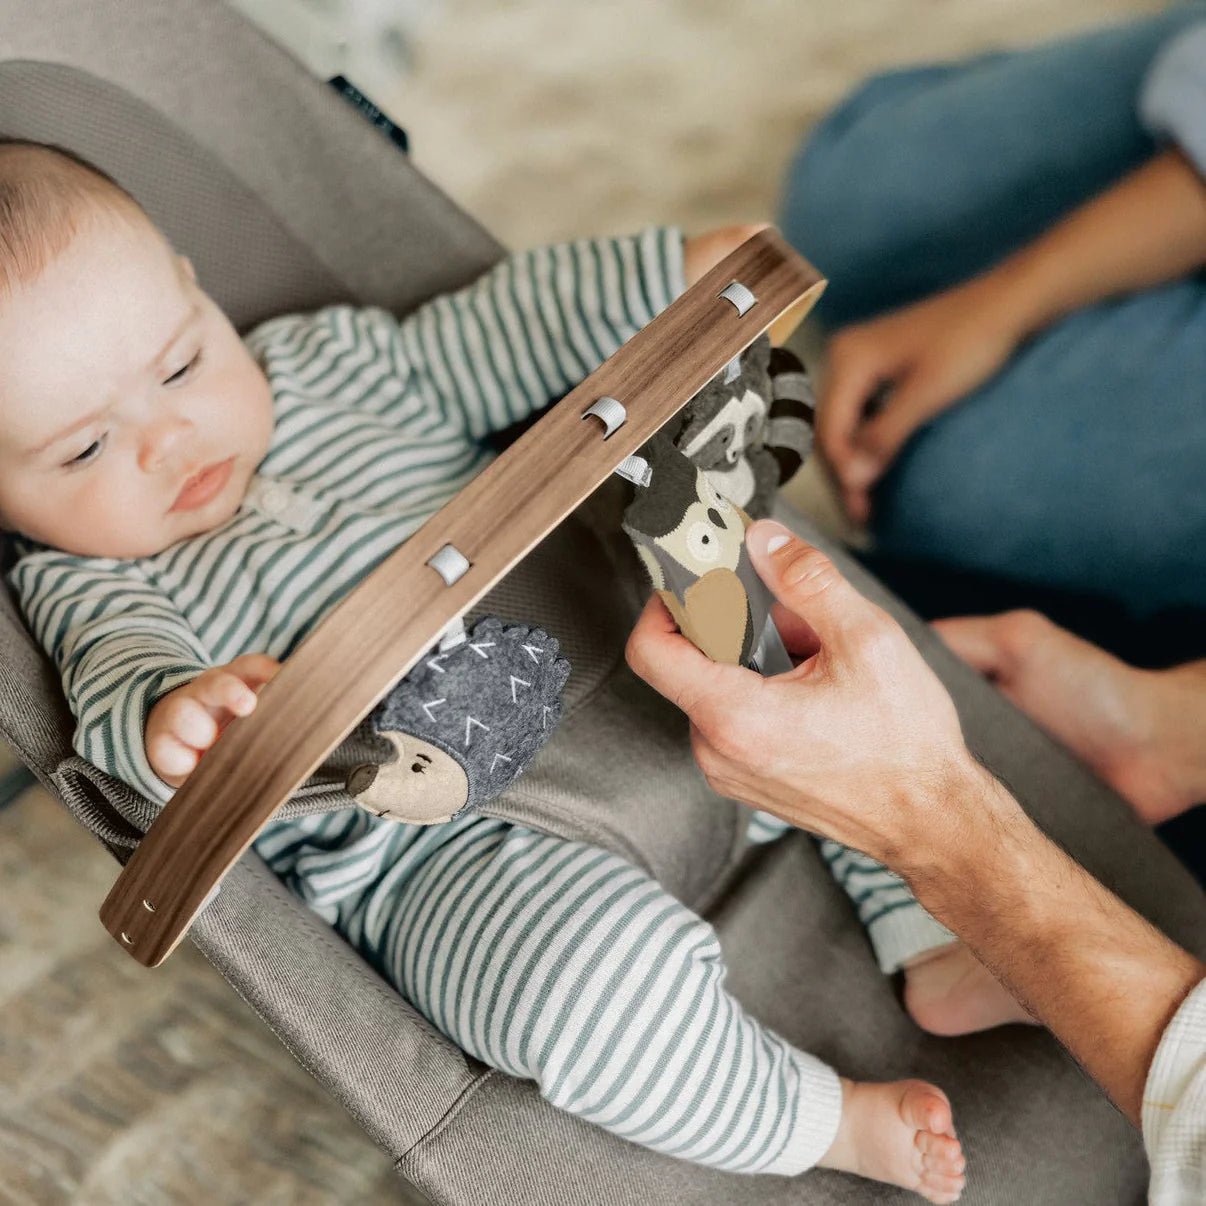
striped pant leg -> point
(896, 924)
(765, 827)
(561, 963)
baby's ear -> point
(189, 269)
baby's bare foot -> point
(951, 992)
(901, 1133)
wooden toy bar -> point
(335, 677)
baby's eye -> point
(181, 373)
(84, 457)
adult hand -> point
(859, 742)
(927, 356)
(1139, 730)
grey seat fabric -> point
(285, 199)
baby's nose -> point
(161, 443)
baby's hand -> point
(707, 250)
(188, 720)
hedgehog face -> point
(483, 707)
(422, 787)
(711, 534)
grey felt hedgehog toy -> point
(750, 428)
(465, 723)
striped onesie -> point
(547, 958)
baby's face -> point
(120, 380)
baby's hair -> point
(47, 193)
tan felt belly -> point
(716, 614)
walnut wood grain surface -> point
(377, 633)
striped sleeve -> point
(119, 645)
(539, 322)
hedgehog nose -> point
(714, 516)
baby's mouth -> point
(204, 486)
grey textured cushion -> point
(285, 198)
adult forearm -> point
(1147, 229)
(862, 743)
(1099, 976)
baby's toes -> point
(926, 1108)
(942, 1165)
(939, 1189)
(940, 1153)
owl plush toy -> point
(469, 717)
(691, 540)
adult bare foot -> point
(902, 1133)
(949, 991)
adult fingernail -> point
(771, 536)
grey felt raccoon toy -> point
(750, 428)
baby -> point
(187, 504)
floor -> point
(545, 120)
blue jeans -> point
(1082, 465)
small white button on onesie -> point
(286, 503)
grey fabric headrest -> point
(245, 257)
(283, 195)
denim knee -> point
(855, 193)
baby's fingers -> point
(223, 692)
(189, 721)
(255, 669)
(170, 759)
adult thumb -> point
(807, 583)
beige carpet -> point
(546, 120)
(550, 120)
